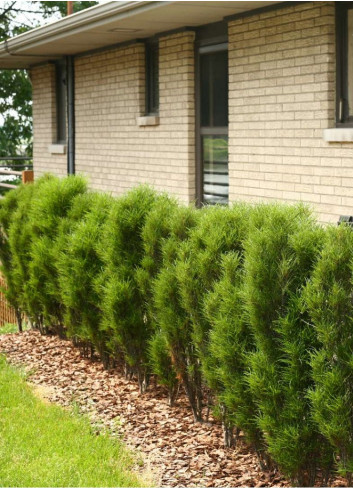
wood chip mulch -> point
(174, 449)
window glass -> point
(60, 71)
(214, 89)
(220, 88)
(214, 125)
(152, 78)
(205, 79)
(215, 169)
(350, 60)
(344, 52)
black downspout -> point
(70, 114)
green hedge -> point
(247, 308)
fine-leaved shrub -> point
(280, 252)
(51, 203)
(78, 266)
(219, 230)
(121, 250)
(251, 305)
(156, 230)
(329, 299)
(8, 207)
(174, 322)
(20, 242)
(230, 343)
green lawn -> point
(9, 328)
(42, 445)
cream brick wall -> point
(111, 148)
(44, 122)
(282, 97)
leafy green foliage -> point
(156, 230)
(219, 231)
(329, 298)
(19, 241)
(33, 242)
(251, 305)
(122, 253)
(174, 322)
(79, 264)
(280, 253)
(230, 343)
(56, 7)
(17, 17)
(51, 204)
(16, 112)
(8, 207)
(161, 364)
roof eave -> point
(14, 52)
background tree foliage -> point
(17, 17)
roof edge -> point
(75, 22)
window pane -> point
(350, 61)
(152, 78)
(215, 169)
(60, 102)
(214, 89)
(205, 70)
(220, 88)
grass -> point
(9, 328)
(43, 445)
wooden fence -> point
(7, 313)
(25, 176)
(13, 171)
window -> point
(344, 30)
(212, 180)
(213, 125)
(152, 78)
(60, 85)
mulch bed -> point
(178, 452)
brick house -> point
(211, 101)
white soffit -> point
(112, 23)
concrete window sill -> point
(57, 149)
(339, 135)
(148, 120)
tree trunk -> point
(19, 319)
(143, 380)
(173, 393)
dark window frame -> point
(152, 76)
(60, 99)
(342, 104)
